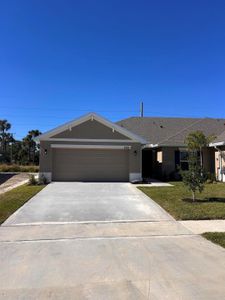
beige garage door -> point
(90, 165)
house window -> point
(159, 157)
(184, 160)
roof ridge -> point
(169, 117)
(158, 117)
(189, 126)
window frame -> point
(184, 161)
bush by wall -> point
(18, 168)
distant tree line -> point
(24, 152)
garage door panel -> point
(90, 165)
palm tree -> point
(30, 144)
(5, 136)
(196, 141)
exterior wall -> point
(156, 164)
(208, 160)
(220, 164)
(46, 153)
(45, 156)
(163, 162)
(168, 160)
(91, 130)
(168, 166)
(135, 157)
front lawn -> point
(215, 237)
(14, 199)
(210, 203)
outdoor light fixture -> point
(135, 152)
(46, 151)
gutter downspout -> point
(220, 162)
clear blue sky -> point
(61, 59)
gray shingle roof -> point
(171, 131)
(220, 138)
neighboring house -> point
(219, 146)
(92, 148)
(166, 149)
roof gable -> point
(92, 126)
(91, 129)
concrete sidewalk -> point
(201, 226)
(10, 181)
(91, 230)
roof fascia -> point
(217, 144)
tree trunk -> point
(201, 161)
(193, 196)
(33, 154)
(28, 154)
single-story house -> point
(92, 148)
(219, 146)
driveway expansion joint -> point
(86, 222)
(80, 238)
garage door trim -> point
(62, 146)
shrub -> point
(211, 177)
(32, 180)
(42, 179)
(18, 168)
(174, 176)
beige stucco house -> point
(92, 148)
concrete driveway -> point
(88, 202)
(142, 254)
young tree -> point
(194, 178)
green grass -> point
(210, 204)
(18, 168)
(215, 237)
(14, 199)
